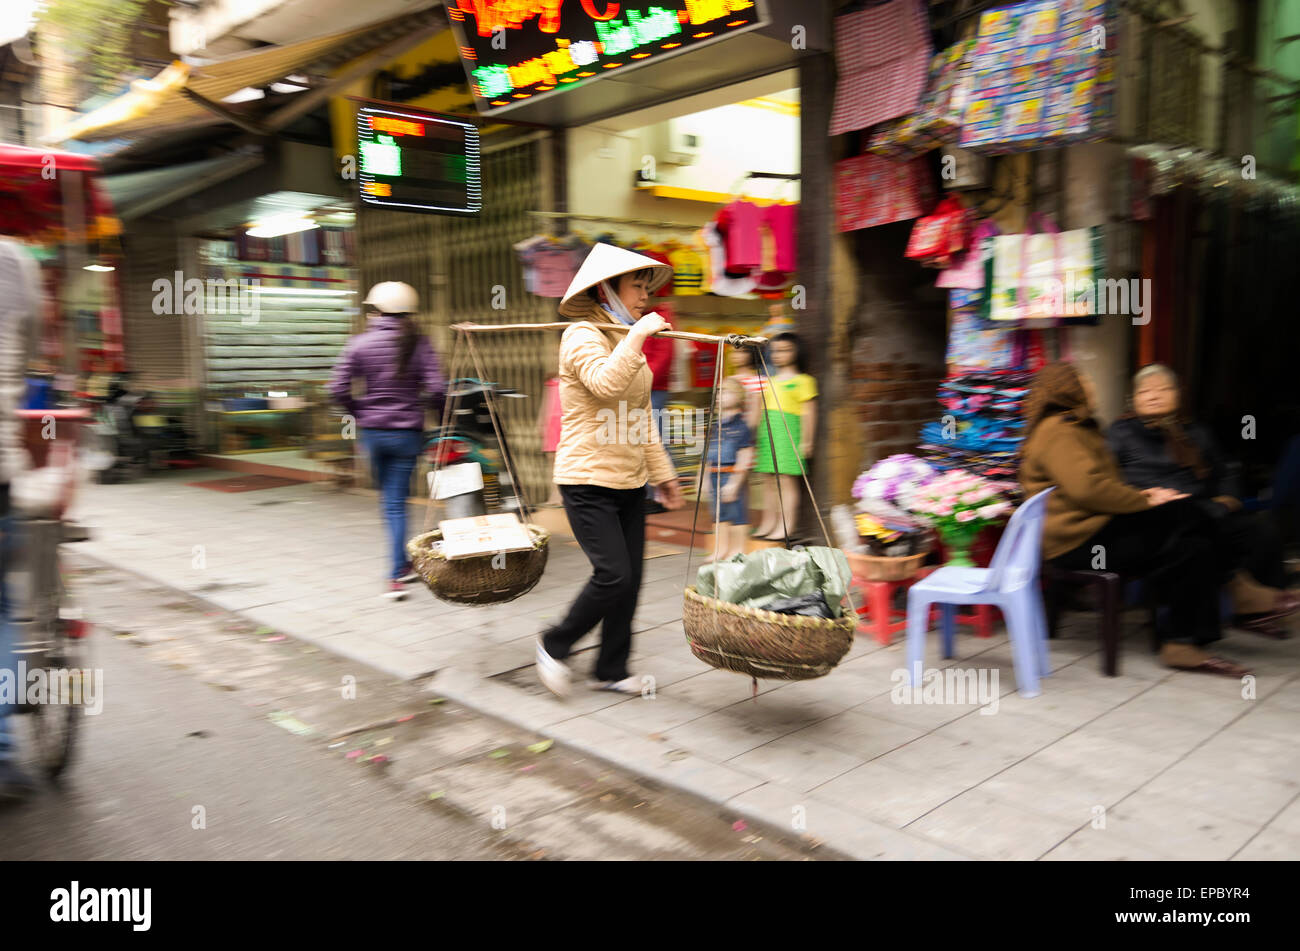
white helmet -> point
(393, 297)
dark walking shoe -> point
(15, 785)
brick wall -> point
(898, 339)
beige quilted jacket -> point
(607, 434)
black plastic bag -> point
(808, 605)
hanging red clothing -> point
(740, 222)
(781, 219)
(658, 353)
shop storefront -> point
(240, 294)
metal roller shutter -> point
(456, 266)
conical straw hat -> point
(606, 261)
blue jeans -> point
(8, 662)
(392, 459)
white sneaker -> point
(554, 674)
(396, 591)
(632, 686)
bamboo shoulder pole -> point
(562, 325)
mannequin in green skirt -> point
(788, 422)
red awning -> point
(20, 157)
(32, 195)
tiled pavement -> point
(1152, 764)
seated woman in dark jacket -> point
(1157, 445)
(1097, 520)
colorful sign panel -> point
(418, 161)
(516, 51)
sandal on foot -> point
(1220, 666)
(1265, 625)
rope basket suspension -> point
(491, 578)
(761, 644)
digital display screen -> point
(417, 161)
(518, 50)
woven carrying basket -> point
(873, 568)
(764, 644)
(475, 580)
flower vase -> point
(957, 541)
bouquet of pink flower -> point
(959, 505)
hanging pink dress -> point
(551, 415)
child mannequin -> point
(731, 455)
(745, 372)
(788, 423)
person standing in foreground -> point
(609, 451)
(20, 301)
(402, 380)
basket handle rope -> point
(448, 406)
(506, 457)
(766, 420)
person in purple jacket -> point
(402, 380)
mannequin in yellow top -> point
(786, 430)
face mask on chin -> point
(615, 306)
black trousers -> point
(609, 524)
(1252, 539)
(1174, 549)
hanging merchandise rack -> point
(613, 220)
(788, 177)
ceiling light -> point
(99, 267)
(277, 225)
(247, 94)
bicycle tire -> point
(54, 727)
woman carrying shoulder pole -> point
(609, 451)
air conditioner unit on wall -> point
(672, 143)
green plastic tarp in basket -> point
(761, 577)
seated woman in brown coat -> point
(1097, 520)
(1157, 445)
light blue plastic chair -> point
(1010, 583)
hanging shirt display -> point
(721, 284)
(782, 221)
(739, 224)
(549, 265)
(688, 272)
(706, 358)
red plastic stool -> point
(877, 616)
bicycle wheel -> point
(48, 644)
(55, 724)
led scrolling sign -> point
(415, 161)
(515, 50)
